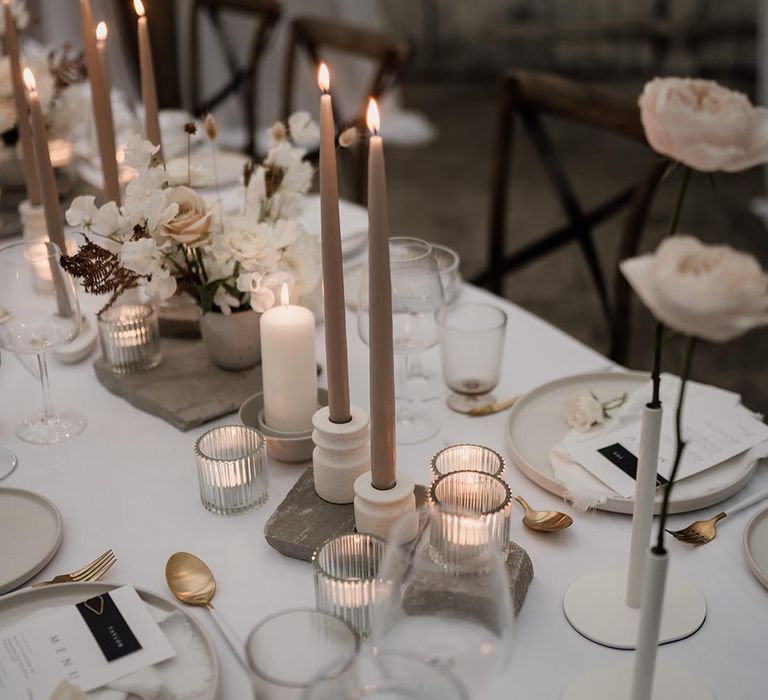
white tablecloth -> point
(128, 482)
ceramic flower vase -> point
(233, 341)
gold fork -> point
(703, 531)
(90, 572)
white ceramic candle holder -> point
(604, 606)
(342, 453)
(32, 221)
(377, 511)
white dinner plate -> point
(353, 219)
(536, 424)
(16, 606)
(229, 168)
(756, 545)
(30, 534)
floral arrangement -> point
(169, 239)
(703, 292)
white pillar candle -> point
(288, 366)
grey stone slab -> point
(304, 521)
(186, 389)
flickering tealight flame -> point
(101, 31)
(139, 7)
(372, 117)
(284, 296)
(324, 78)
(29, 79)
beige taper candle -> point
(102, 108)
(382, 381)
(20, 100)
(333, 268)
(53, 218)
(148, 88)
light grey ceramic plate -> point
(30, 534)
(756, 545)
(16, 606)
(536, 424)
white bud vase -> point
(233, 341)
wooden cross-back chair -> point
(313, 36)
(242, 80)
(525, 98)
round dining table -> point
(128, 482)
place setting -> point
(288, 449)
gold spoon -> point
(544, 520)
(192, 582)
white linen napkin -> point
(583, 489)
(183, 676)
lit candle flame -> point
(373, 119)
(324, 78)
(284, 296)
(139, 7)
(101, 31)
(29, 79)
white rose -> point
(67, 691)
(303, 129)
(192, 221)
(583, 411)
(711, 292)
(249, 244)
(704, 125)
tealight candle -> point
(130, 338)
(475, 458)
(288, 366)
(232, 469)
(345, 571)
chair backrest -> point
(313, 36)
(242, 80)
(526, 97)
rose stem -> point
(690, 346)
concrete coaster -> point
(186, 389)
(304, 521)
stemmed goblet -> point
(34, 320)
(417, 296)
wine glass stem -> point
(404, 405)
(42, 363)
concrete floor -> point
(440, 192)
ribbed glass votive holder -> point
(130, 338)
(232, 468)
(475, 458)
(345, 570)
(470, 518)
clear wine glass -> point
(35, 318)
(8, 459)
(444, 598)
(417, 296)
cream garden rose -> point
(708, 291)
(583, 411)
(192, 222)
(703, 124)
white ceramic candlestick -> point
(643, 679)
(604, 606)
(377, 511)
(32, 217)
(342, 453)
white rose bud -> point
(67, 691)
(349, 137)
(583, 411)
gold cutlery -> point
(489, 408)
(193, 583)
(544, 520)
(703, 531)
(90, 572)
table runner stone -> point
(186, 389)
(304, 521)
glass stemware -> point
(417, 296)
(444, 598)
(34, 320)
(8, 459)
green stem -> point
(659, 334)
(690, 346)
(189, 160)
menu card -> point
(89, 644)
(714, 431)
